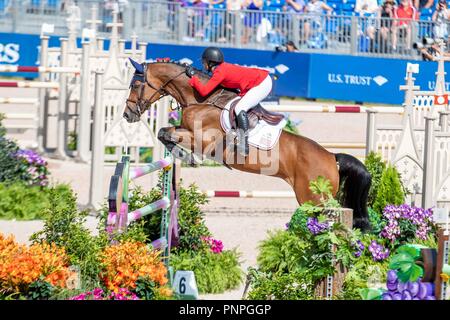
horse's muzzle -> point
(130, 116)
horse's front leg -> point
(177, 140)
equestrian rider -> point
(254, 85)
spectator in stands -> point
(406, 13)
(366, 6)
(278, 23)
(385, 15)
(290, 46)
(441, 18)
(295, 6)
(215, 31)
(367, 9)
(252, 17)
(195, 18)
(235, 5)
(314, 9)
(423, 4)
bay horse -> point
(298, 159)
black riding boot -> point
(242, 133)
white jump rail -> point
(6, 100)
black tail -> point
(355, 189)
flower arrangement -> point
(406, 221)
(126, 262)
(99, 294)
(20, 266)
(33, 166)
(316, 227)
(215, 245)
(378, 252)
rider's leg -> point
(251, 99)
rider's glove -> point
(190, 71)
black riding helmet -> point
(212, 56)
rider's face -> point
(205, 65)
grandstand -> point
(343, 31)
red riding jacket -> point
(230, 76)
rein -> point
(141, 102)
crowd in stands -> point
(383, 25)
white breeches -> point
(254, 95)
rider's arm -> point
(205, 89)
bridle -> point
(141, 102)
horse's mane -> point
(183, 65)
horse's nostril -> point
(125, 115)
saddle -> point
(255, 114)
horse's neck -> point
(181, 92)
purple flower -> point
(379, 252)
(315, 227)
(360, 248)
(419, 217)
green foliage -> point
(363, 273)
(145, 288)
(64, 226)
(40, 290)
(22, 202)
(291, 126)
(282, 252)
(376, 167)
(390, 190)
(72, 140)
(214, 273)
(376, 221)
(191, 218)
(286, 286)
(404, 261)
(299, 256)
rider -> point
(254, 85)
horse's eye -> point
(135, 86)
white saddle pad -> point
(264, 136)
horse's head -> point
(145, 89)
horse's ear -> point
(139, 67)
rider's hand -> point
(190, 72)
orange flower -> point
(126, 262)
(20, 266)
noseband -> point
(141, 102)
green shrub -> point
(40, 290)
(22, 202)
(214, 273)
(282, 252)
(376, 167)
(291, 126)
(191, 220)
(64, 226)
(390, 190)
(288, 286)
